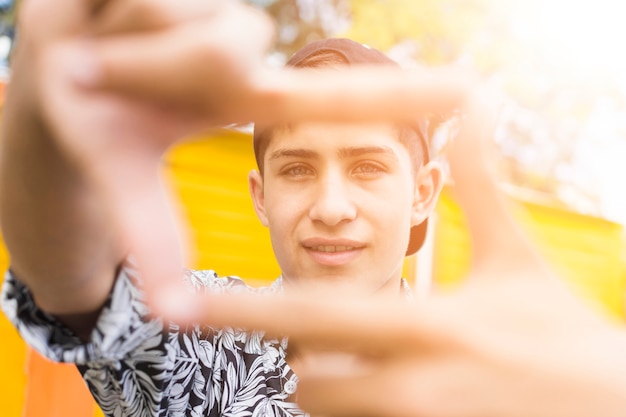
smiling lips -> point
(335, 252)
(321, 244)
(329, 248)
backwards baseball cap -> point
(355, 53)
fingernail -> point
(84, 67)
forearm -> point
(56, 227)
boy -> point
(344, 204)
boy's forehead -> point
(342, 152)
(335, 135)
(330, 137)
(341, 140)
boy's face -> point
(339, 201)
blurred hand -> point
(117, 140)
(512, 341)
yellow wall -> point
(210, 177)
(12, 361)
(587, 251)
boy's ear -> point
(428, 185)
(255, 184)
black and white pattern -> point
(139, 366)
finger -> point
(148, 223)
(329, 323)
(215, 66)
(127, 169)
(476, 137)
(359, 93)
(247, 92)
(117, 145)
(499, 244)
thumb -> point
(499, 245)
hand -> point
(116, 141)
(513, 341)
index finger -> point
(231, 91)
(368, 326)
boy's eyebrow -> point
(298, 153)
(356, 151)
(348, 152)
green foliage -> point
(438, 27)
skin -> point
(339, 201)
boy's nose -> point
(332, 203)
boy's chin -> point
(335, 286)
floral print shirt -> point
(137, 365)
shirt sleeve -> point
(127, 362)
(122, 327)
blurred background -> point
(559, 61)
(560, 145)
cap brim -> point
(418, 236)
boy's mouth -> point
(330, 248)
(333, 252)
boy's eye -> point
(297, 171)
(368, 168)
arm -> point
(54, 222)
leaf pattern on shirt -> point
(135, 365)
